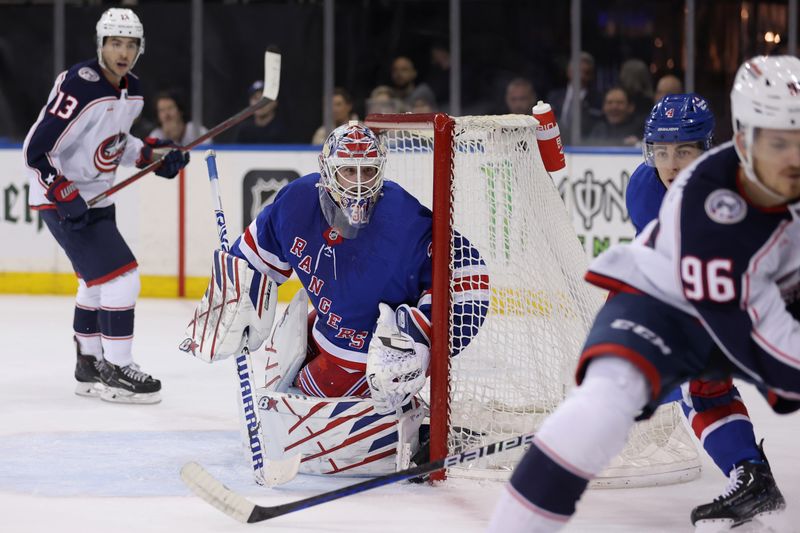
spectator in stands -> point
(439, 74)
(635, 78)
(382, 100)
(265, 126)
(404, 81)
(520, 96)
(619, 125)
(668, 84)
(591, 99)
(423, 104)
(173, 119)
(342, 107)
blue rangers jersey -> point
(83, 133)
(735, 266)
(389, 261)
(643, 196)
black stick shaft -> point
(261, 513)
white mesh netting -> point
(520, 365)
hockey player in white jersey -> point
(72, 152)
(708, 290)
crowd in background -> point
(393, 57)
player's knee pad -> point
(591, 427)
(87, 297)
(121, 292)
(337, 435)
(704, 395)
(286, 348)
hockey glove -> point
(172, 158)
(396, 363)
(70, 205)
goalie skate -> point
(86, 374)
(128, 384)
(751, 496)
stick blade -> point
(208, 488)
(272, 75)
(279, 472)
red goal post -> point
(483, 176)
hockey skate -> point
(751, 495)
(86, 374)
(128, 384)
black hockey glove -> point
(172, 159)
(71, 207)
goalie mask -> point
(351, 177)
(119, 22)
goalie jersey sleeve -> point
(82, 132)
(733, 265)
(389, 261)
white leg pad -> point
(286, 348)
(335, 436)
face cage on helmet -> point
(356, 202)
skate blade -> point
(91, 389)
(114, 395)
(767, 522)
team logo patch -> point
(88, 74)
(109, 152)
(725, 207)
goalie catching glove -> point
(398, 357)
(238, 300)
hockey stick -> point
(272, 78)
(214, 492)
(265, 471)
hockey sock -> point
(85, 320)
(117, 301)
(720, 420)
(574, 444)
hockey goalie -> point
(341, 381)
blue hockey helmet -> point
(679, 118)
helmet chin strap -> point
(746, 159)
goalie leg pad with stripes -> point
(337, 436)
(237, 299)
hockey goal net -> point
(483, 177)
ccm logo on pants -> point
(643, 332)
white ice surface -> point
(69, 463)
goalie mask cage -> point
(483, 177)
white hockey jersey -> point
(82, 133)
(716, 256)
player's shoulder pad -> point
(710, 193)
(300, 190)
(86, 83)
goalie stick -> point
(234, 505)
(265, 471)
(272, 78)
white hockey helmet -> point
(119, 22)
(766, 94)
(348, 202)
